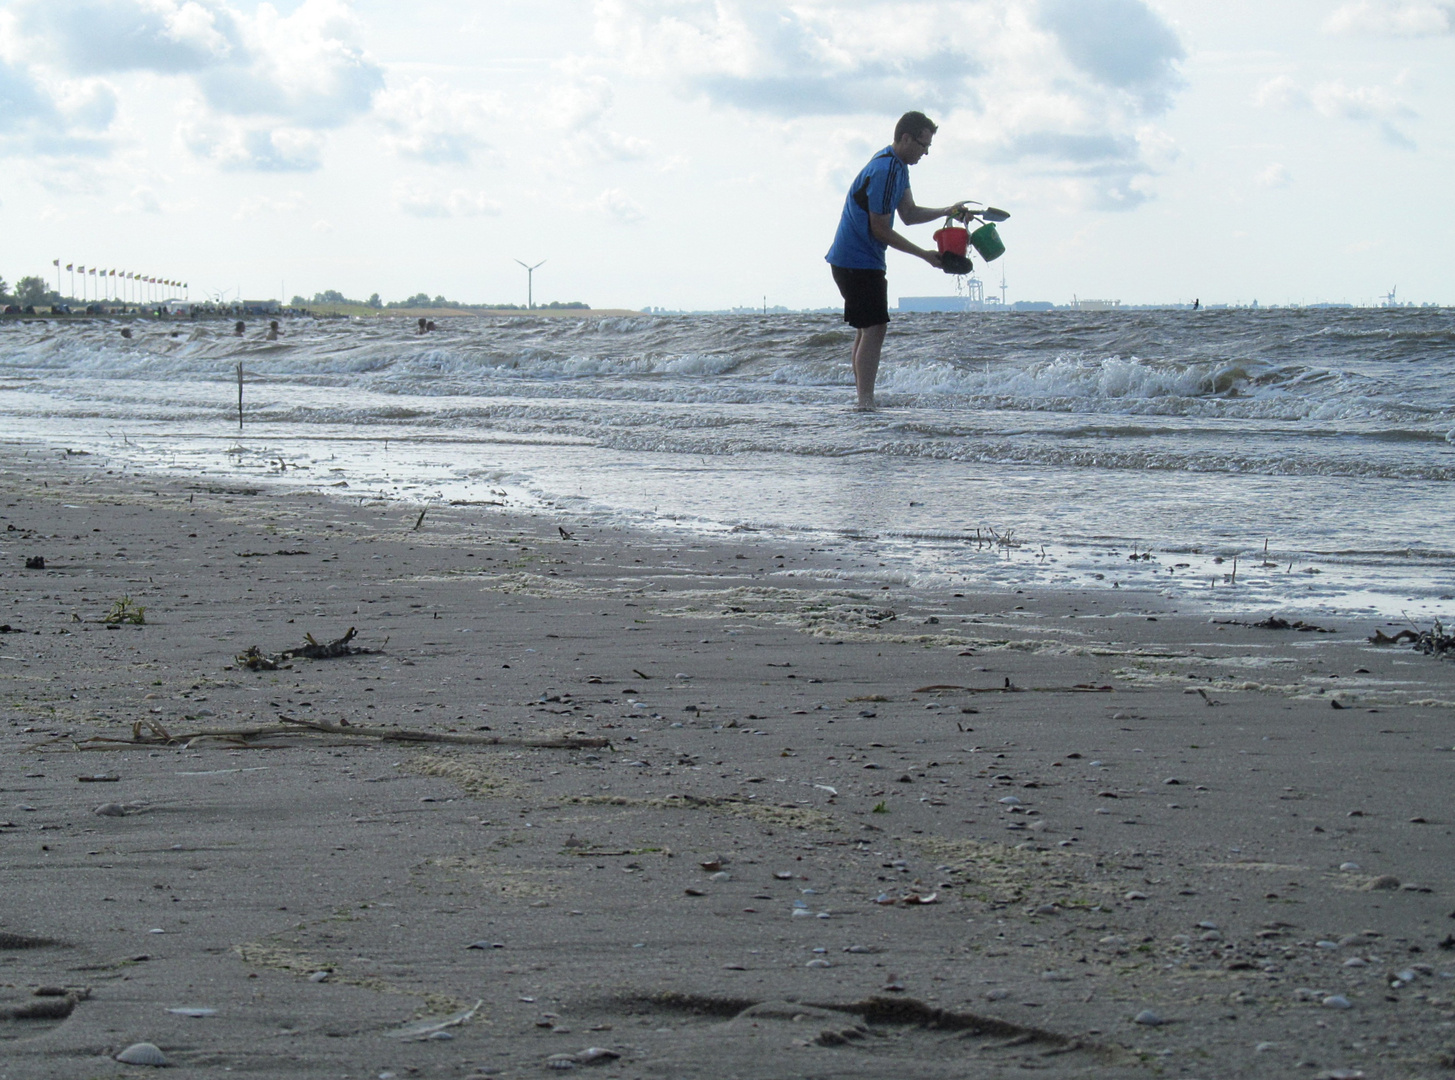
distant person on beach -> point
(238, 328)
(273, 332)
(430, 326)
(423, 327)
(866, 228)
(126, 331)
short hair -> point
(912, 123)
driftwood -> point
(1011, 688)
(257, 660)
(146, 734)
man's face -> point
(912, 147)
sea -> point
(1279, 460)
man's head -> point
(912, 136)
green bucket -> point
(987, 241)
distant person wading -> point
(866, 228)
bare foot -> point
(864, 406)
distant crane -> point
(1389, 297)
(1002, 288)
(530, 272)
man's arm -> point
(882, 226)
(911, 214)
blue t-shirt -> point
(879, 187)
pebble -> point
(1326, 944)
(818, 963)
(113, 809)
(1356, 962)
(1208, 925)
(721, 875)
(1349, 866)
(783, 875)
(1055, 976)
(1148, 1017)
(440, 1036)
(319, 976)
(1113, 939)
(1047, 909)
(858, 949)
(486, 945)
(1134, 895)
(1337, 1001)
(1000, 993)
(1383, 881)
(1010, 800)
(143, 1053)
(193, 1012)
(802, 913)
(1210, 935)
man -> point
(866, 228)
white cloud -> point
(1064, 87)
(300, 72)
(1120, 44)
(1371, 104)
(259, 205)
(815, 58)
(1392, 18)
(1281, 91)
(620, 206)
(434, 123)
(1275, 176)
(142, 200)
(419, 201)
(232, 146)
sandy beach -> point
(783, 828)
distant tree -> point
(4, 292)
(332, 296)
(440, 300)
(297, 301)
(31, 290)
(374, 301)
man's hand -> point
(933, 258)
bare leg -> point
(868, 343)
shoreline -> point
(817, 794)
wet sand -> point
(1170, 848)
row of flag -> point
(121, 276)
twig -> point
(160, 736)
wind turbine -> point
(530, 272)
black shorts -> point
(866, 296)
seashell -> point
(193, 1012)
(143, 1053)
(596, 1055)
(561, 1061)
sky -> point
(694, 154)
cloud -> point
(814, 59)
(1392, 18)
(95, 36)
(616, 203)
(235, 147)
(418, 201)
(1065, 86)
(142, 200)
(286, 74)
(1370, 104)
(63, 122)
(1121, 44)
(1374, 105)
(1275, 176)
(434, 123)
(1280, 92)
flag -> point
(55, 262)
(81, 268)
(71, 267)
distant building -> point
(934, 303)
(1096, 305)
(1032, 305)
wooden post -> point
(239, 395)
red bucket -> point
(952, 240)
